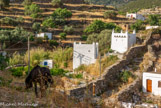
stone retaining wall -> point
(111, 72)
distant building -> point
(47, 63)
(84, 54)
(121, 42)
(152, 82)
(151, 27)
(135, 16)
(49, 35)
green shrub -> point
(125, 75)
(8, 20)
(36, 27)
(53, 43)
(27, 2)
(33, 10)
(20, 19)
(57, 3)
(80, 76)
(62, 13)
(65, 64)
(110, 14)
(68, 29)
(17, 72)
(49, 22)
(137, 26)
(32, 38)
(58, 72)
(63, 35)
(39, 40)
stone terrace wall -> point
(126, 95)
(111, 72)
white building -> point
(135, 16)
(84, 54)
(45, 34)
(151, 27)
(48, 63)
(152, 82)
(121, 42)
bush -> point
(56, 3)
(33, 10)
(27, 2)
(20, 20)
(110, 14)
(68, 29)
(125, 75)
(84, 37)
(58, 72)
(153, 20)
(39, 40)
(48, 22)
(32, 38)
(8, 20)
(62, 13)
(80, 76)
(65, 64)
(36, 26)
(53, 43)
(63, 35)
(17, 72)
(137, 26)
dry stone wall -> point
(111, 72)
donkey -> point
(39, 75)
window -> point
(159, 84)
(89, 51)
(45, 63)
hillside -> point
(140, 4)
(108, 2)
(82, 16)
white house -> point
(121, 42)
(45, 34)
(152, 82)
(135, 16)
(151, 27)
(84, 54)
(48, 63)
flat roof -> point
(157, 72)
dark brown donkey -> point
(39, 75)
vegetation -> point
(33, 10)
(62, 13)
(48, 22)
(97, 26)
(53, 43)
(103, 38)
(3, 62)
(58, 72)
(125, 75)
(138, 25)
(57, 3)
(4, 3)
(110, 14)
(15, 35)
(68, 29)
(139, 4)
(11, 21)
(27, 2)
(36, 27)
(59, 57)
(63, 35)
(153, 20)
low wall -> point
(111, 72)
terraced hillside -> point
(82, 15)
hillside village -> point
(87, 55)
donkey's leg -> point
(36, 93)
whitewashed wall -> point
(151, 27)
(120, 42)
(155, 78)
(135, 16)
(49, 63)
(84, 54)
